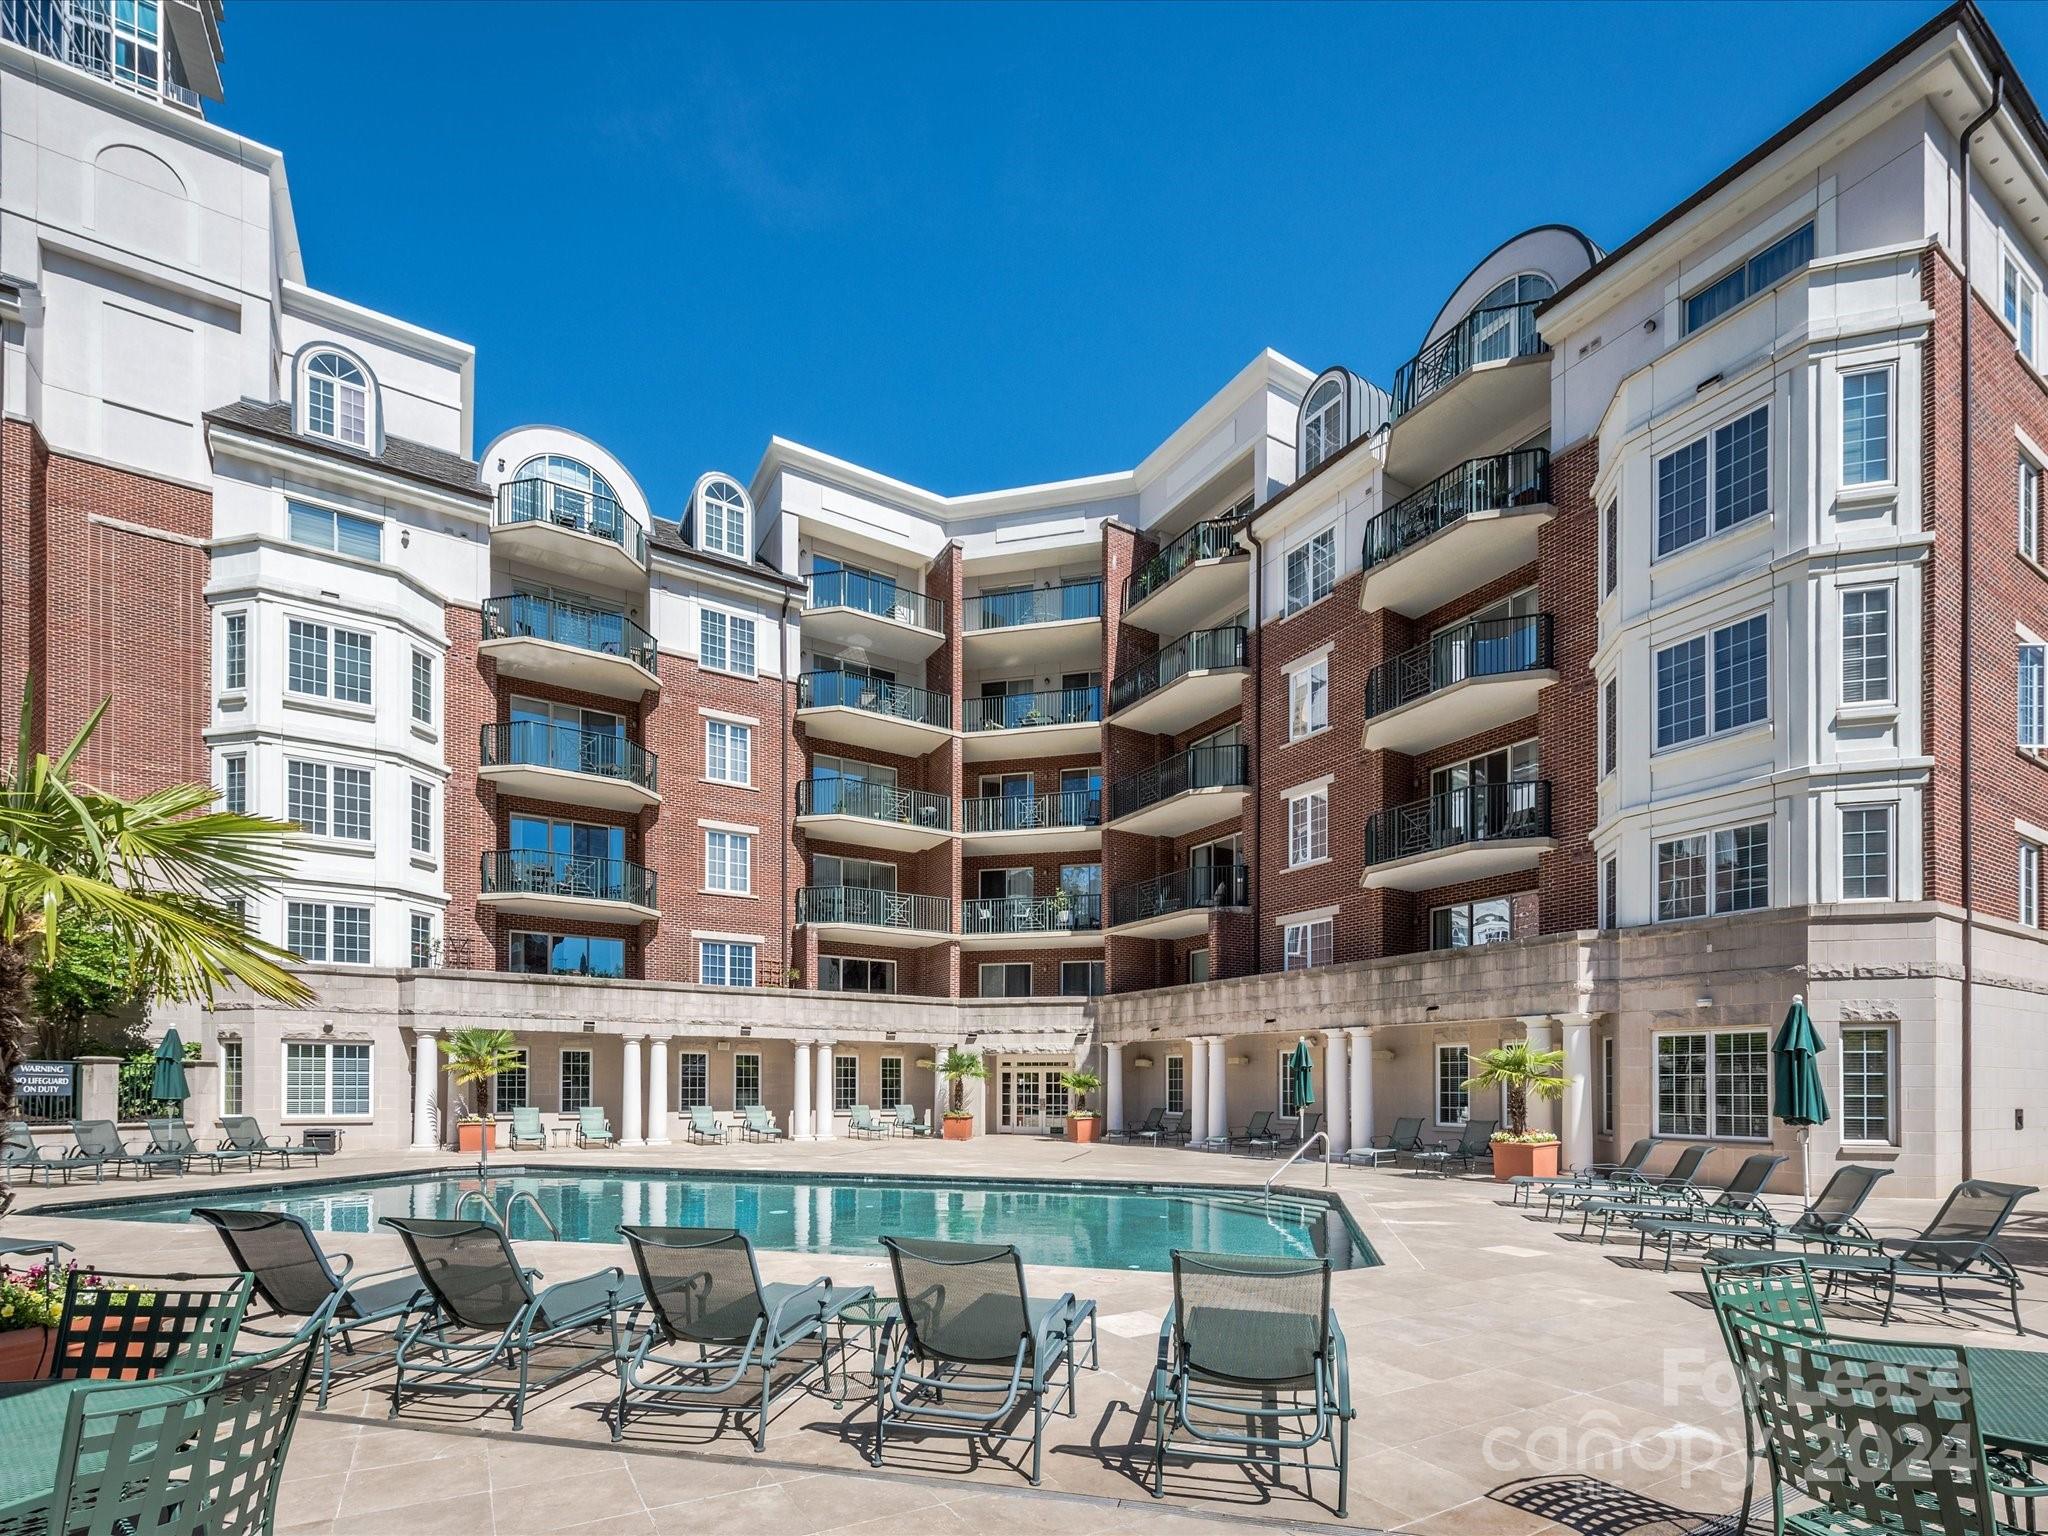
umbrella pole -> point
(1806, 1164)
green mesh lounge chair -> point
(704, 1293)
(1172, 1126)
(174, 1138)
(21, 1154)
(592, 1128)
(706, 1126)
(1258, 1131)
(100, 1140)
(1147, 1127)
(968, 1348)
(907, 1123)
(758, 1124)
(244, 1134)
(1742, 1195)
(1832, 1215)
(1674, 1186)
(487, 1317)
(861, 1121)
(527, 1131)
(295, 1279)
(1406, 1136)
(146, 1326)
(1473, 1143)
(1523, 1187)
(1252, 1367)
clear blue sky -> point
(979, 246)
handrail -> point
(1215, 539)
(1484, 648)
(520, 616)
(1199, 650)
(1194, 769)
(878, 595)
(1070, 600)
(502, 1219)
(874, 696)
(535, 500)
(1491, 335)
(1020, 711)
(1324, 1138)
(557, 744)
(1496, 484)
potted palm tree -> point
(1525, 1073)
(1083, 1124)
(959, 1068)
(478, 1056)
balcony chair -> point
(861, 1121)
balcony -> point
(1458, 683)
(1457, 533)
(1176, 905)
(1195, 788)
(872, 815)
(1195, 678)
(1031, 922)
(895, 919)
(851, 610)
(1048, 629)
(867, 712)
(1202, 573)
(536, 883)
(1476, 383)
(540, 760)
(1060, 822)
(1060, 722)
(1467, 834)
(544, 641)
(559, 528)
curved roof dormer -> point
(1337, 409)
(1552, 254)
(565, 504)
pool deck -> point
(1508, 1380)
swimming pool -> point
(1087, 1225)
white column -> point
(824, 1105)
(657, 1091)
(1542, 1035)
(800, 1127)
(1219, 1103)
(941, 1100)
(629, 1121)
(1337, 1078)
(1198, 1097)
(1113, 1085)
(1362, 1131)
(1577, 1132)
(426, 1072)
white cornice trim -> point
(256, 449)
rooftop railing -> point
(1488, 648)
(588, 629)
(1181, 890)
(874, 802)
(1195, 768)
(1492, 335)
(537, 872)
(564, 506)
(1205, 541)
(874, 909)
(1041, 605)
(876, 595)
(1477, 814)
(1199, 650)
(1495, 484)
(899, 701)
(552, 744)
(1018, 711)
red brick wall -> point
(1568, 711)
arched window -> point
(723, 515)
(569, 492)
(1322, 423)
(1504, 322)
(335, 399)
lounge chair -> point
(142, 1326)
(1526, 1184)
(1742, 1195)
(861, 1121)
(907, 1123)
(1832, 1215)
(1959, 1244)
(1258, 1131)
(527, 1130)
(1406, 1136)
(174, 1138)
(758, 1124)
(1674, 1185)
(704, 1292)
(244, 1134)
(1308, 1125)
(1252, 1367)
(968, 1347)
(295, 1279)
(22, 1153)
(1172, 1126)
(101, 1140)
(1473, 1143)
(487, 1315)
(592, 1128)
(706, 1126)
(1148, 1126)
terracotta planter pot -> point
(1537, 1159)
(1084, 1128)
(476, 1135)
(25, 1353)
(957, 1127)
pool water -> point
(1086, 1225)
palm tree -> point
(1080, 1085)
(1524, 1071)
(165, 874)
(959, 1068)
(479, 1056)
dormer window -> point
(723, 517)
(1322, 423)
(334, 396)
(565, 491)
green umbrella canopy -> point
(168, 1084)
(1795, 1068)
(1301, 1074)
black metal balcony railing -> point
(874, 802)
(1063, 809)
(536, 872)
(1200, 650)
(1491, 335)
(1181, 890)
(874, 909)
(547, 744)
(588, 629)
(564, 506)
(876, 595)
(848, 690)
(1489, 648)
(1204, 541)
(1481, 813)
(1018, 711)
(1068, 912)
(1043, 605)
(1196, 768)
(1519, 479)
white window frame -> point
(884, 1104)
(1862, 696)
(1711, 857)
(1005, 966)
(422, 697)
(1889, 374)
(1890, 1034)
(1708, 444)
(736, 734)
(703, 1063)
(1436, 1087)
(336, 517)
(348, 399)
(1715, 731)
(1299, 944)
(2029, 890)
(330, 664)
(1318, 556)
(420, 808)
(700, 499)
(737, 854)
(419, 939)
(727, 620)
(2030, 716)
(2027, 504)
(728, 949)
(1890, 811)
(234, 653)
(589, 1085)
(1308, 698)
(500, 1099)
(741, 1099)
(1322, 426)
(1305, 847)
(233, 1079)
(1172, 1080)
(845, 1094)
(1713, 1085)
(326, 1049)
(234, 782)
(2020, 303)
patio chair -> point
(486, 1314)
(1147, 1127)
(861, 1121)
(1527, 1184)
(49, 1247)
(527, 1130)
(704, 1292)
(1252, 1367)
(1959, 1244)
(1473, 1143)
(1831, 1215)
(174, 1138)
(101, 1140)
(967, 1347)
(1674, 1185)
(706, 1126)
(246, 1135)
(1172, 1126)
(1258, 1131)
(1406, 1136)
(758, 1124)
(144, 1326)
(907, 1123)
(295, 1279)
(593, 1129)
(1742, 1195)
(1309, 1124)
(22, 1153)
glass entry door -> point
(1030, 1095)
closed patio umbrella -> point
(167, 1084)
(1301, 1075)
(1801, 1099)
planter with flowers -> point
(1524, 1072)
(31, 1307)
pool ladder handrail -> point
(1322, 1136)
(502, 1220)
